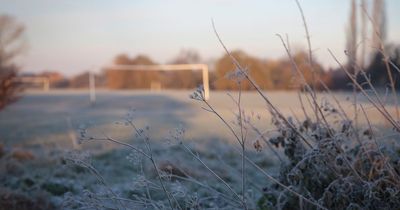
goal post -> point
(170, 67)
(92, 88)
(33, 80)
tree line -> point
(269, 74)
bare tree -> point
(378, 29)
(352, 35)
(364, 28)
(379, 21)
(11, 45)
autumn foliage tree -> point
(184, 79)
(11, 45)
(253, 65)
(127, 79)
(268, 74)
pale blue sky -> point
(74, 35)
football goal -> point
(173, 67)
(28, 80)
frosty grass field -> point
(51, 119)
(47, 124)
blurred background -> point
(88, 69)
(64, 40)
(59, 59)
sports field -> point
(52, 119)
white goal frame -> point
(33, 80)
(171, 67)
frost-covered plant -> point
(332, 164)
(328, 161)
(345, 167)
(332, 172)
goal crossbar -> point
(34, 80)
(170, 67)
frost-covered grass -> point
(127, 173)
(257, 150)
(317, 161)
(41, 119)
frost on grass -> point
(326, 161)
(336, 172)
(323, 164)
(172, 172)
